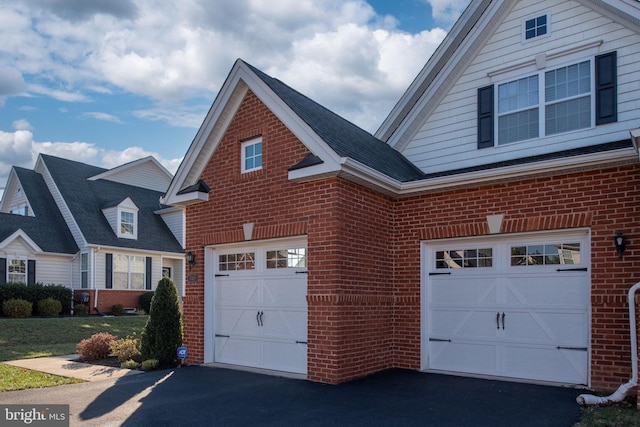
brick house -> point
(473, 234)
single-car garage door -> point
(260, 307)
(514, 307)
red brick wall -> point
(605, 200)
(107, 298)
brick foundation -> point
(107, 298)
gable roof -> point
(474, 27)
(158, 177)
(85, 199)
(47, 229)
(338, 146)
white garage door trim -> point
(463, 328)
(275, 336)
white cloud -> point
(102, 116)
(22, 125)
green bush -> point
(162, 334)
(130, 364)
(117, 309)
(80, 310)
(49, 307)
(149, 364)
(36, 292)
(17, 308)
(126, 349)
(145, 301)
(96, 347)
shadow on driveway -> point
(199, 395)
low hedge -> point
(37, 292)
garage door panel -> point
(456, 291)
(548, 364)
(285, 291)
(546, 327)
(237, 291)
(463, 357)
(285, 323)
(568, 291)
(461, 323)
(285, 356)
(238, 350)
(237, 321)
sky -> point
(107, 82)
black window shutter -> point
(31, 271)
(3, 270)
(148, 275)
(606, 88)
(485, 117)
(109, 271)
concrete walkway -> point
(67, 366)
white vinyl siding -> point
(175, 220)
(144, 175)
(447, 140)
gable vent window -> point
(252, 155)
(535, 27)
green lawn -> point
(15, 378)
(57, 336)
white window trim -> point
(509, 77)
(26, 270)
(243, 156)
(523, 27)
(133, 235)
(84, 270)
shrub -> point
(117, 309)
(162, 334)
(17, 308)
(149, 364)
(126, 349)
(130, 364)
(80, 310)
(145, 301)
(96, 347)
(36, 292)
(49, 307)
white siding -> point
(54, 270)
(175, 220)
(448, 139)
(111, 214)
(145, 175)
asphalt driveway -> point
(207, 396)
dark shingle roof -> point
(47, 229)
(345, 138)
(86, 199)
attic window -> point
(251, 155)
(127, 224)
(535, 27)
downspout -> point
(95, 288)
(621, 392)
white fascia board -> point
(188, 199)
(132, 165)
(19, 234)
(517, 171)
(170, 209)
(123, 250)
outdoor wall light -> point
(191, 259)
(620, 243)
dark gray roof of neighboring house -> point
(345, 138)
(47, 229)
(86, 199)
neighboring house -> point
(473, 234)
(101, 232)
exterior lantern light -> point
(620, 243)
(191, 259)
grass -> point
(623, 414)
(57, 336)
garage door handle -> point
(259, 318)
(498, 320)
(573, 269)
(222, 336)
(261, 322)
(503, 321)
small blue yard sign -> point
(182, 352)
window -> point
(252, 155)
(129, 272)
(84, 270)
(16, 271)
(241, 261)
(20, 210)
(287, 258)
(465, 258)
(535, 27)
(127, 224)
(549, 102)
(550, 254)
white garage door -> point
(516, 307)
(260, 307)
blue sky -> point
(110, 81)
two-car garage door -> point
(260, 307)
(513, 307)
